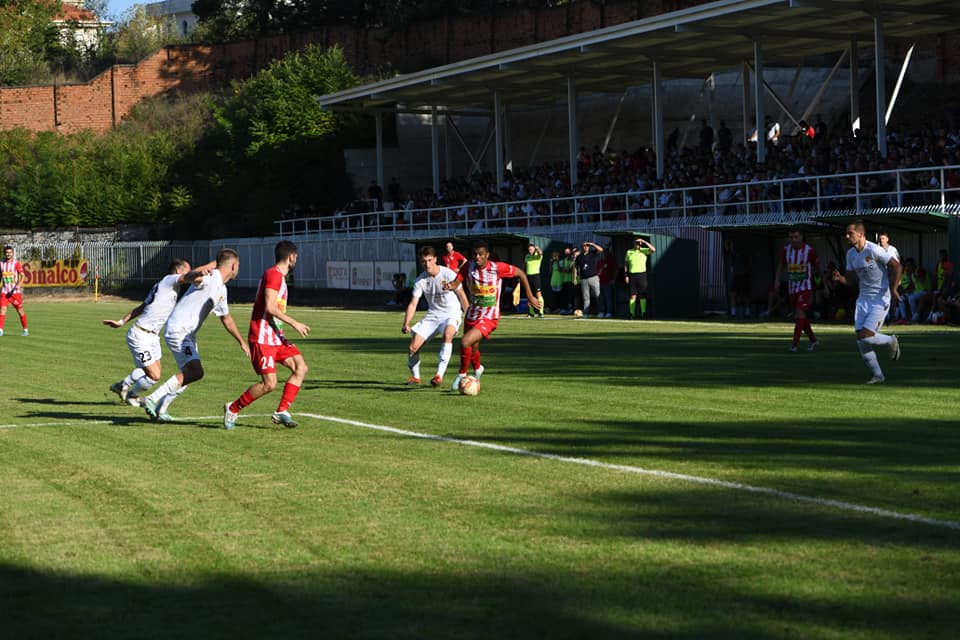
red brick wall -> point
(107, 99)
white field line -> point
(586, 462)
(737, 486)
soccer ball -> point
(469, 386)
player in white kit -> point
(878, 275)
(444, 312)
(143, 338)
(208, 293)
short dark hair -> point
(428, 250)
(283, 250)
(226, 255)
(859, 225)
(176, 264)
(8, 247)
(481, 244)
(795, 230)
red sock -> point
(23, 321)
(476, 358)
(244, 400)
(808, 329)
(797, 328)
(3, 318)
(290, 392)
(466, 354)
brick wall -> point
(107, 99)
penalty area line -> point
(669, 475)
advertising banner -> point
(61, 273)
(361, 275)
(383, 273)
(338, 274)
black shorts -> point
(534, 282)
(638, 283)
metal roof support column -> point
(758, 100)
(854, 87)
(879, 60)
(507, 139)
(378, 120)
(447, 147)
(435, 150)
(746, 104)
(656, 91)
(572, 128)
(498, 137)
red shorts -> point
(16, 299)
(801, 300)
(264, 357)
(484, 325)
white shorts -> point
(184, 349)
(870, 315)
(144, 346)
(432, 325)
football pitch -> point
(612, 479)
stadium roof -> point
(692, 43)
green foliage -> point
(27, 37)
(138, 35)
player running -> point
(799, 261)
(878, 275)
(207, 293)
(444, 309)
(485, 279)
(143, 338)
(268, 346)
(10, 292)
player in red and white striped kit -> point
(10, 293)
(799, 262)
(484, 279)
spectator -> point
(532, 264)
(608, 279)
(588, 272)
(453, 259)
(706, 137)
(635, 264)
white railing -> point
(759, 202)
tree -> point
(27, 35)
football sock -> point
(133, 377)
(245, 400)
(878, 339)
(797, 328)
(413, 361)
(290, 392)
(808, 329)
(23, 321)
(475, 361)
(466, 355)
(643, 306)
(168, 400)
(633, 307)
(170, 387)
(869, 357)
(540, 300)
(446, 349)
(3, 319)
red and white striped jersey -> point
(10, 269)
(264, 328)
(801, 265)
(485, 287)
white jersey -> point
(893, 253)
(440, 302)
(159, 303)
(871, 267)
(210, 294)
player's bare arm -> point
(894, 271)
(271, 306)
(231, 327)
(464, 303)
(195, 275)
(409, 313)
(127, 317)
(838, 277)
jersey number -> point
(266, 362)
(144, 357)
(188, 351)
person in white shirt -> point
(883, 239)
(878, 275)
(208, 293)
(143, 338)
(444, 312)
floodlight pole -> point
(572, 128)
(507, 139)
(657, 96)
(758, 100)
(879, 60)
(854, 87)
(746, 104)
(435, 150)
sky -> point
(116, 8)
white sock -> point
(133, 378)
(869, 357)
(878, 339)
(414, 363)
(168, 399)
(171, 386)
(446, 349)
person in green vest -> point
(635, 264)
(556, 279)
(567, 286)
(532, 262)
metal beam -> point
(657, 112)
(498, 138)
(378, 121)
(434, 151)
(854, 53)
(572, 128)
(759, 31)
(881, 76)
(758, 100)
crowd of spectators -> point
(714, 161)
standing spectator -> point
(556, 279)
(10, 292)
(532, 263)
(920, 293)
(485, 279)
(706, 137)
(737, 265)
(608, 278)
(878, 276)
(635, 263)
(724, 137)
(884, 239)
(588, 272)
(798, 262)
(268, 346)
(375, 193)
(567, 289)
(453, 259)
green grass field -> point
(115, 527)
